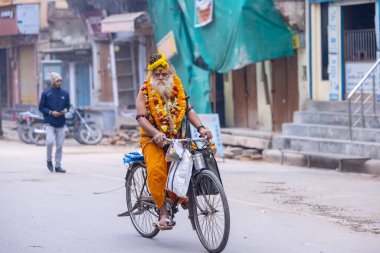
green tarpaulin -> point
(241, 32)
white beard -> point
(164, 87)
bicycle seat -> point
(133, 157)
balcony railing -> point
(362, 100)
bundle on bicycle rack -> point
(133, 157)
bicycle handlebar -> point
(202, 139)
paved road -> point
(273, 208)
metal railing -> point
(363, 97)
(360, 45)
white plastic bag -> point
(174, 152)
(180, 173)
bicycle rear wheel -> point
(211, 211)
(141, 207)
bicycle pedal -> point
(146, 198)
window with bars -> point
(125, 74)
(359, 32)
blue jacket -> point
(54, 99)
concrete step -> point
(321, 145)
(246, 138)
(331, 132)
(335, 106)
(334, 118)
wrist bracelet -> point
(199, 128)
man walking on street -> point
(54, 104)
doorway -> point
(218, 103)
(284, 91)
(82, 81)
(245, 97)
(359, 35)
(4, 79)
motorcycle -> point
(83, 132)
(24, 121)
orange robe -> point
(157, 168)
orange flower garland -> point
(168, 122)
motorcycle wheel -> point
(23, 133)
(90, 138)
(38, 139)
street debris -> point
(342, 216)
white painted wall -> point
(228, 100)
(320, 87)
(303, 84)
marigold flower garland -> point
(168, 122)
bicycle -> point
(207, 202)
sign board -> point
(166, 46)
(355, 71)
(203, 12)
(333, 77)
(332, 32)
(28, 18)
(211, 121)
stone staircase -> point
(321, 131)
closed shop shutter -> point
(28, 83)
(125, 72)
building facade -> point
(19, 29)
(264, 95)
(343, 45)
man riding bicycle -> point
(161, 107)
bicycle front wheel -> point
(211, 211)
(141, 207)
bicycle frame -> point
(207, 202)
(173, 205)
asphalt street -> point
(273, 208)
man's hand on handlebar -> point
(204, 132)
(158, 138)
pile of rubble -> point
(124, 137)
(121, 137)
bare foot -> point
(165, 223)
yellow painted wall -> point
(320, 87)
(44, 15)
(61, 4)
(228, 100)
(263, 109)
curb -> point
(293, 159)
